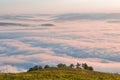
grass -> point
(60, 74)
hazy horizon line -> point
(60, 13)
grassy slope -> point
(61, 74)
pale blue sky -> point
(58, 6)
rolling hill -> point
(60, 74)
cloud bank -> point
(71, 38)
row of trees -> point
(78, 66)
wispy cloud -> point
(47, 24)
(13, 24)
(87, 16)
(27, 17)
(114, 21)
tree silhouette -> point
(90, 68)
(46, 66)
(35, 68)
(84, 66)
(61, 65)
(78, 65)
(71, 66)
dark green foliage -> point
(85, 66)
(78, 65)
(46, 66)
(35, 68)
(90, 68)
(61, 65)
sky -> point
(59, 6)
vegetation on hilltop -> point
(60, 72)
(78, 65)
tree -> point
(71, 66)
(90, 68)
(30, 69)
(61, 65)
(78, 65)
(85, 66)
(35, 68)
(46, 66)
(40, 67)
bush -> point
(61, 65)
(85, 66)
(35, 68)
(78, 65)
(46, 66)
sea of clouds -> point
(38, 39)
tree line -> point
(61, 65)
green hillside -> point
(60, 74)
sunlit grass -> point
(60, 74)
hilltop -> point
(62, 73)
